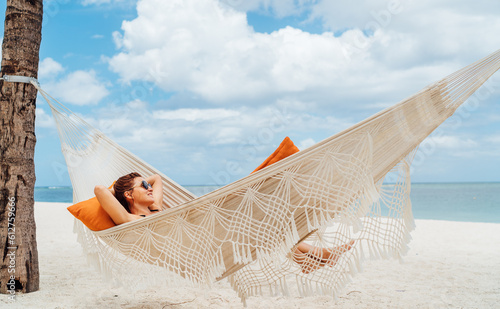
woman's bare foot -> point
(311, 258)
(336, 252)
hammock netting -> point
(354, 185)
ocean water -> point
(470, 202)
(54, 194)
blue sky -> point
(188, 84)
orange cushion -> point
(285, 149)
(92, 214)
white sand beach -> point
(449, 265)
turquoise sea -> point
(471, 202)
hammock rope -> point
(327, 195)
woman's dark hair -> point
(122, 185)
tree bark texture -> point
(20, 52)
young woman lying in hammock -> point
(133, 197)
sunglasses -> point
(144, 184)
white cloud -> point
(414, 32)
(493, 140)
(179, 126)
(195, 115)
(44, 120)
(279, 8)
(341, 15)
(207, 48)
(117, 39)
(227, 135)
(452, 142)
(306, 143)
(78, 87)
(49, 69)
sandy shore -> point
(449, 265)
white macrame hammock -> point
(327, 195)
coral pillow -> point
(92, 214)
(285, 149)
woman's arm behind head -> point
(111, 205)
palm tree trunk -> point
(21, 44)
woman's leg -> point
(306, 261)
(311, 257)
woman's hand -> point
(156, 182)
(154, 179)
